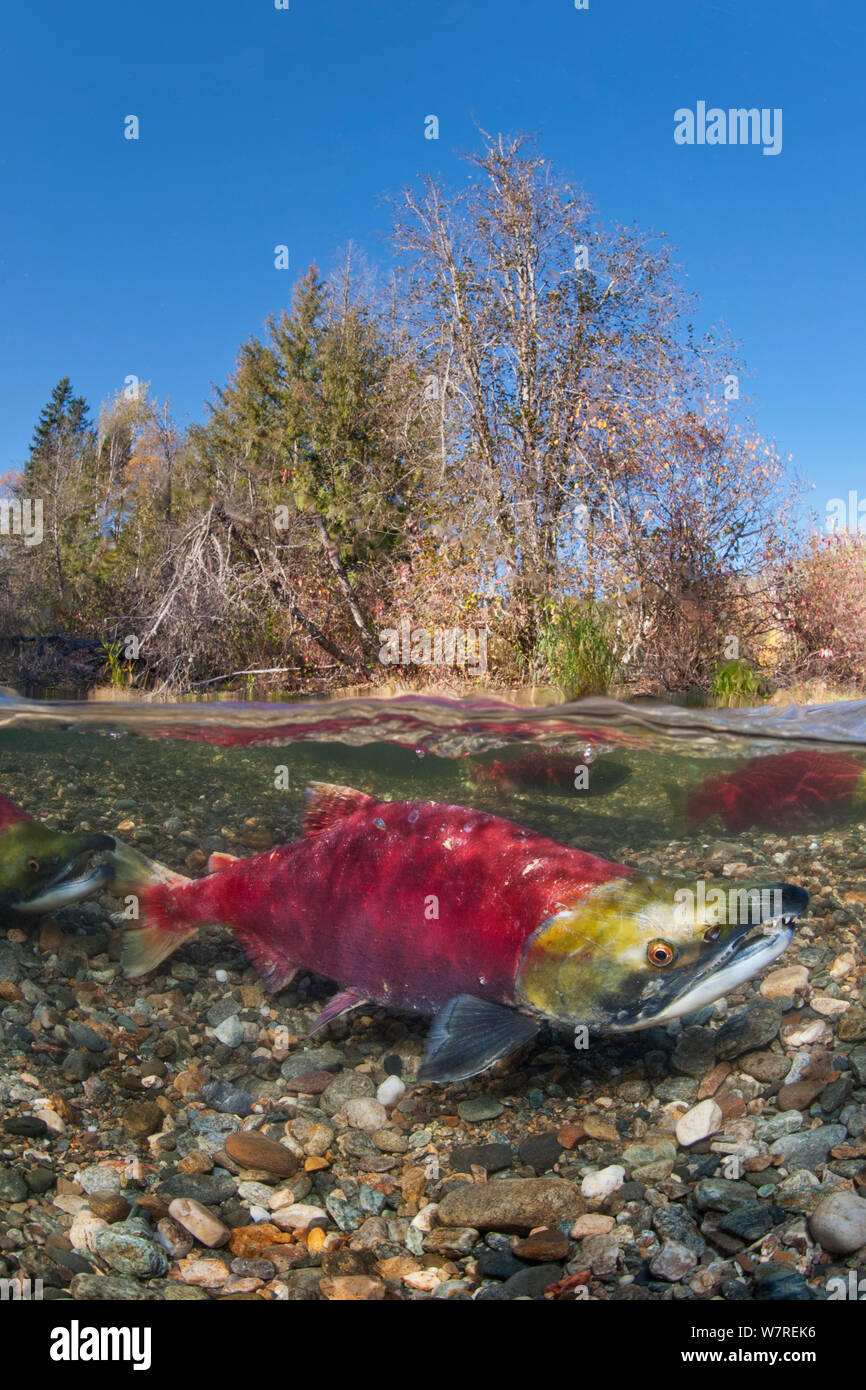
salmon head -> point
(38, 866)
(639, 951)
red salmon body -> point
(408, 902)
(779, 788)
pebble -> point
(172, 1237)
(205, 1274)
(699, 1123)
(390, 1091)
(603, 1182)
(540, 1151)
(314, 1059)
(253, 1150)
(477, 1108)
(366, 1114)
(493, 1158)
(230, 1032)
(199, 1221)
(673, 1262)
(543, 1245)
(531, 1283)
(129, 1254)
(143, 1118)
(808, 1149)
(838, 1223)
(593, 1223)
(751, 1028)
(511, 1204)
(785, 983)
(298, 1216)
(352, 1288)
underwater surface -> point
(182, 1132)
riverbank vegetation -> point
(511, 428)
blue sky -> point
(262, 126)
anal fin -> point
(468, 1035)
(338, 1004)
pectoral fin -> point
(468, 1035)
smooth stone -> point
(748, 1030)
(493, 1158)
(540, 1151)
(253, 1150)
(750, 1221)
(531, 1283)
(111, 1288)
(603, 1182)
(129, 1254)
(512, 1205)
(544, 1245)
(199, 1221)
(809, 1148)
(477, 1108)
(673, 1262)
(312, 1060)
(838, 1223)
(699, 1123)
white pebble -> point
(221, 976)
(603, 1182)
(299, 1217)
(699, 1123)
(366, 1114)
(390, 1091)
(201, 1223)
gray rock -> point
(228, 1100)
(349, 1085)
(130, 1254)
(111, 1288)
(531, 1283)
(313, 1059)
(477, 1108)
(492, 1157)
(722, 1194)
(88, 1038)
(13, 1188)
(750, 1029)
(811, 1147)
(695, 1051)
(673, 1262)
(673, 1223)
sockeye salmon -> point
(37, 864)
(448, 911)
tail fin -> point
(161, 924)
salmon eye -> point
(33, 866)
(660, 953)
(713, 933)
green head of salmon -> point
(641, 951)
(38, 867)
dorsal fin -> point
(327, 804)
(10, 814)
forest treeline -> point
(513, 427)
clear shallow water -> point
(600, 774)
(745, 795)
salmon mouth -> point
(63, 888)
(743, 953)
